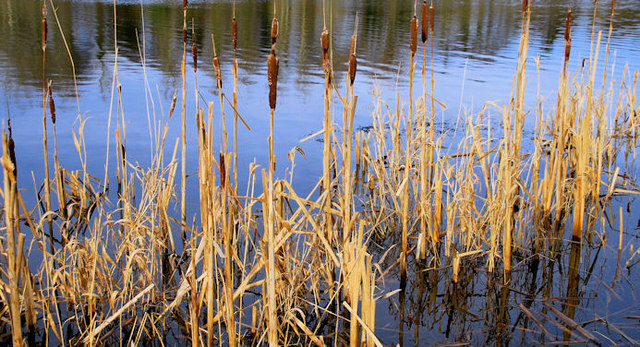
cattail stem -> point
(45, 88)
(183, 177)
(272, 75)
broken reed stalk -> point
(183, 177)
(327, 228)
(408, 162)
(15, 242)
(206, 177)
(421, 253)
(234, 71)
(272, 76)
(227, 230)
(431, 162)
(513, 122)
(621, 231)
(349, 104)
(58, 173)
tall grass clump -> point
(406, 214)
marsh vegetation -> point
(507, 225)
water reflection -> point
(480, 30)
(558, 292)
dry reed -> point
(128, 280)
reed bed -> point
(266, 264)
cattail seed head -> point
(353, 66)
(425, 21)
(223, 171)
(194, 54)
(11, 146)
(234, 33)
(216, 67)
(184, 4)
(272, 75)
(326, 66)
(184, 35)
(52, 106)
(274, 30)
(567, 27)
(324, 40)
(567, 40)
(413, 44)
(525, 6)
(613, 6)
(431, 15)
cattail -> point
(353, 66)
(272, 74)
(567, 27)
(184, 35)
(413, 44)
(216, 67)
(613, 6)
(425, 21)
(52, 106)
(194, 54)
(44, 26)
(11, 145)
(184, 4)
(431, 19)
(353, 61)
(567, 39)
(234, 32)
(326, 66)
(525, 6)
(223, 171)
(324, 41)
(274, 30)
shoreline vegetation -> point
(399, 216)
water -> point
(475, 53)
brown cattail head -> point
(184, 35)
(272, 75)
(425, 21)
(11, 145)
(431, 14)
(44, 26)
(613, 6)
(194, 54)
(52, 106)
(223, 171)
(274, 30)
(353, 66)
(324, 41)
(413, 44)
(567, 40)
(216, 67)
(326, 66)
(567, 27)
(525, 6)
(184, 4)
(234, 33)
